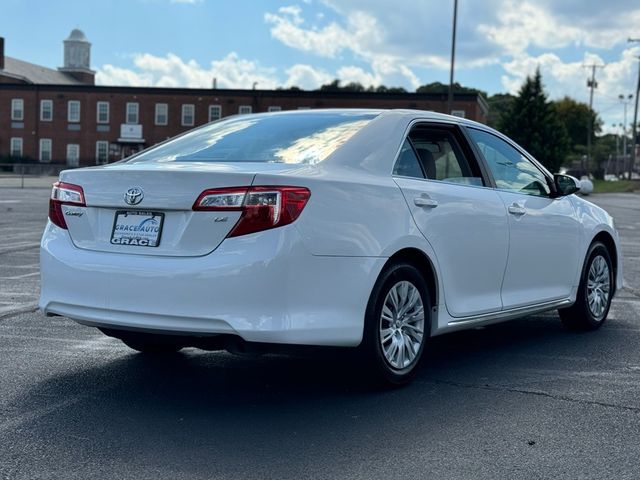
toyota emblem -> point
(134, 196)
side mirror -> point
(565, 184)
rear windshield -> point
(305, 138)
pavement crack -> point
(537, 393)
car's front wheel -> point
(594, 293)
(397, 324)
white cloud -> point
(306, 77)
(230, 72)
(570, 78)
(520, 25)
(171, 71)
(361, 34)
(287, 28)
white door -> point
(544, 231)
(464, 221)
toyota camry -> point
(368, 229)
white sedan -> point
(354, 228)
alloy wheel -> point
(598, 286)
(402, 325)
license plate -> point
(142, 229)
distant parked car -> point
(356, 228)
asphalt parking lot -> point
(524, 399)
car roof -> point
(395, 112)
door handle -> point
(425, 202)
(517, 210)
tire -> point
(146, 342)
(595, 292)
(392, 347)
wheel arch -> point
(422, 262)
(605, 238)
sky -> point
(307, 43)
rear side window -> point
(434, 154)
(408, 164)
(301, 138)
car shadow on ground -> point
(209, 410)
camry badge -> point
(134, 196)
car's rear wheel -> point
(146, 342)
(594, 293)
(397, 324)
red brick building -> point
(60, 116)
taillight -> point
(64, 194)
(262, 207)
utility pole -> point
(625, 101)
(453, 57)
(617, 155)
(634, 129)
(592, 84)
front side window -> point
(102, 115)
(17, 109)
(16, 147)
(132, 113)
(188, 115)
(302, 138)
(162, 114)
(438, 156)
(102, 152)
(73, 111)
(45, 150)
(46, 110)
(511, 170)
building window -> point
(274, 108)
(102, 152)
(458, 113)
(188, 114)
(215, 112)
(132, 113)
(17, 109)
(304, 108)
(46, 110)
(102, 112)
(244, 109)
(16, 147)
(45, 150)
(73, 154)
(73, 111)
(162, 114)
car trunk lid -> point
(161, 221)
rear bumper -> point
(263, 287)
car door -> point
(464, 221)
(544, 231)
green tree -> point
(384, 89)
(336, 87)
(532, 121)
(576, 116)
(499, 104)
(439, 87)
